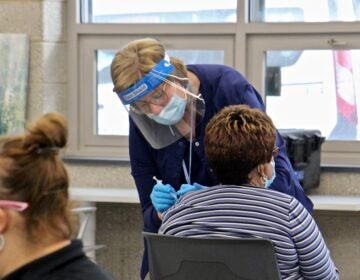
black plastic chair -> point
(193, 258)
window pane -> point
(315, 89)
(199, 56)
(158, 11)
(304, 10)
(111, 114)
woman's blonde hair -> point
(32, 171)
(136, 59)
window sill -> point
(335, 202)
(126, 195)
(130, 195)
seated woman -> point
(240, 147)
(35, 219)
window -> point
(158, 11)
(324, 82)
(304, 10)
(305, 61)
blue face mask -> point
(268, 182)
(172, 113)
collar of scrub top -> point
(153, 79)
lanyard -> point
(187, 172)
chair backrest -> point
(85, 214)
(190, 258)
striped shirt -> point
(245, 211)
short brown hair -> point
(32, 171)
(237, 139)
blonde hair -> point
(32, 171)
(136, 59)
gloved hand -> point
(185, 188)
(162, 197)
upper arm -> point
(314, 256)
(233, 88)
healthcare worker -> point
(169, 105)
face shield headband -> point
(141, 88)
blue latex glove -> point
(163, 197)
(185, 188)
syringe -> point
(159, 181)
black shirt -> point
(68, 263)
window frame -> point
(248, 42)
(334, 153)
(83, 39)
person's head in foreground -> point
(240, 147)
(156, 90)
(35, 218)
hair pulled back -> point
(32, 171)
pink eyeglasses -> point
(14, 205)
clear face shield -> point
(162, 105)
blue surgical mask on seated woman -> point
(268, 182)
(172, 112)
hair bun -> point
(47, 135)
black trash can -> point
(303, 148)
